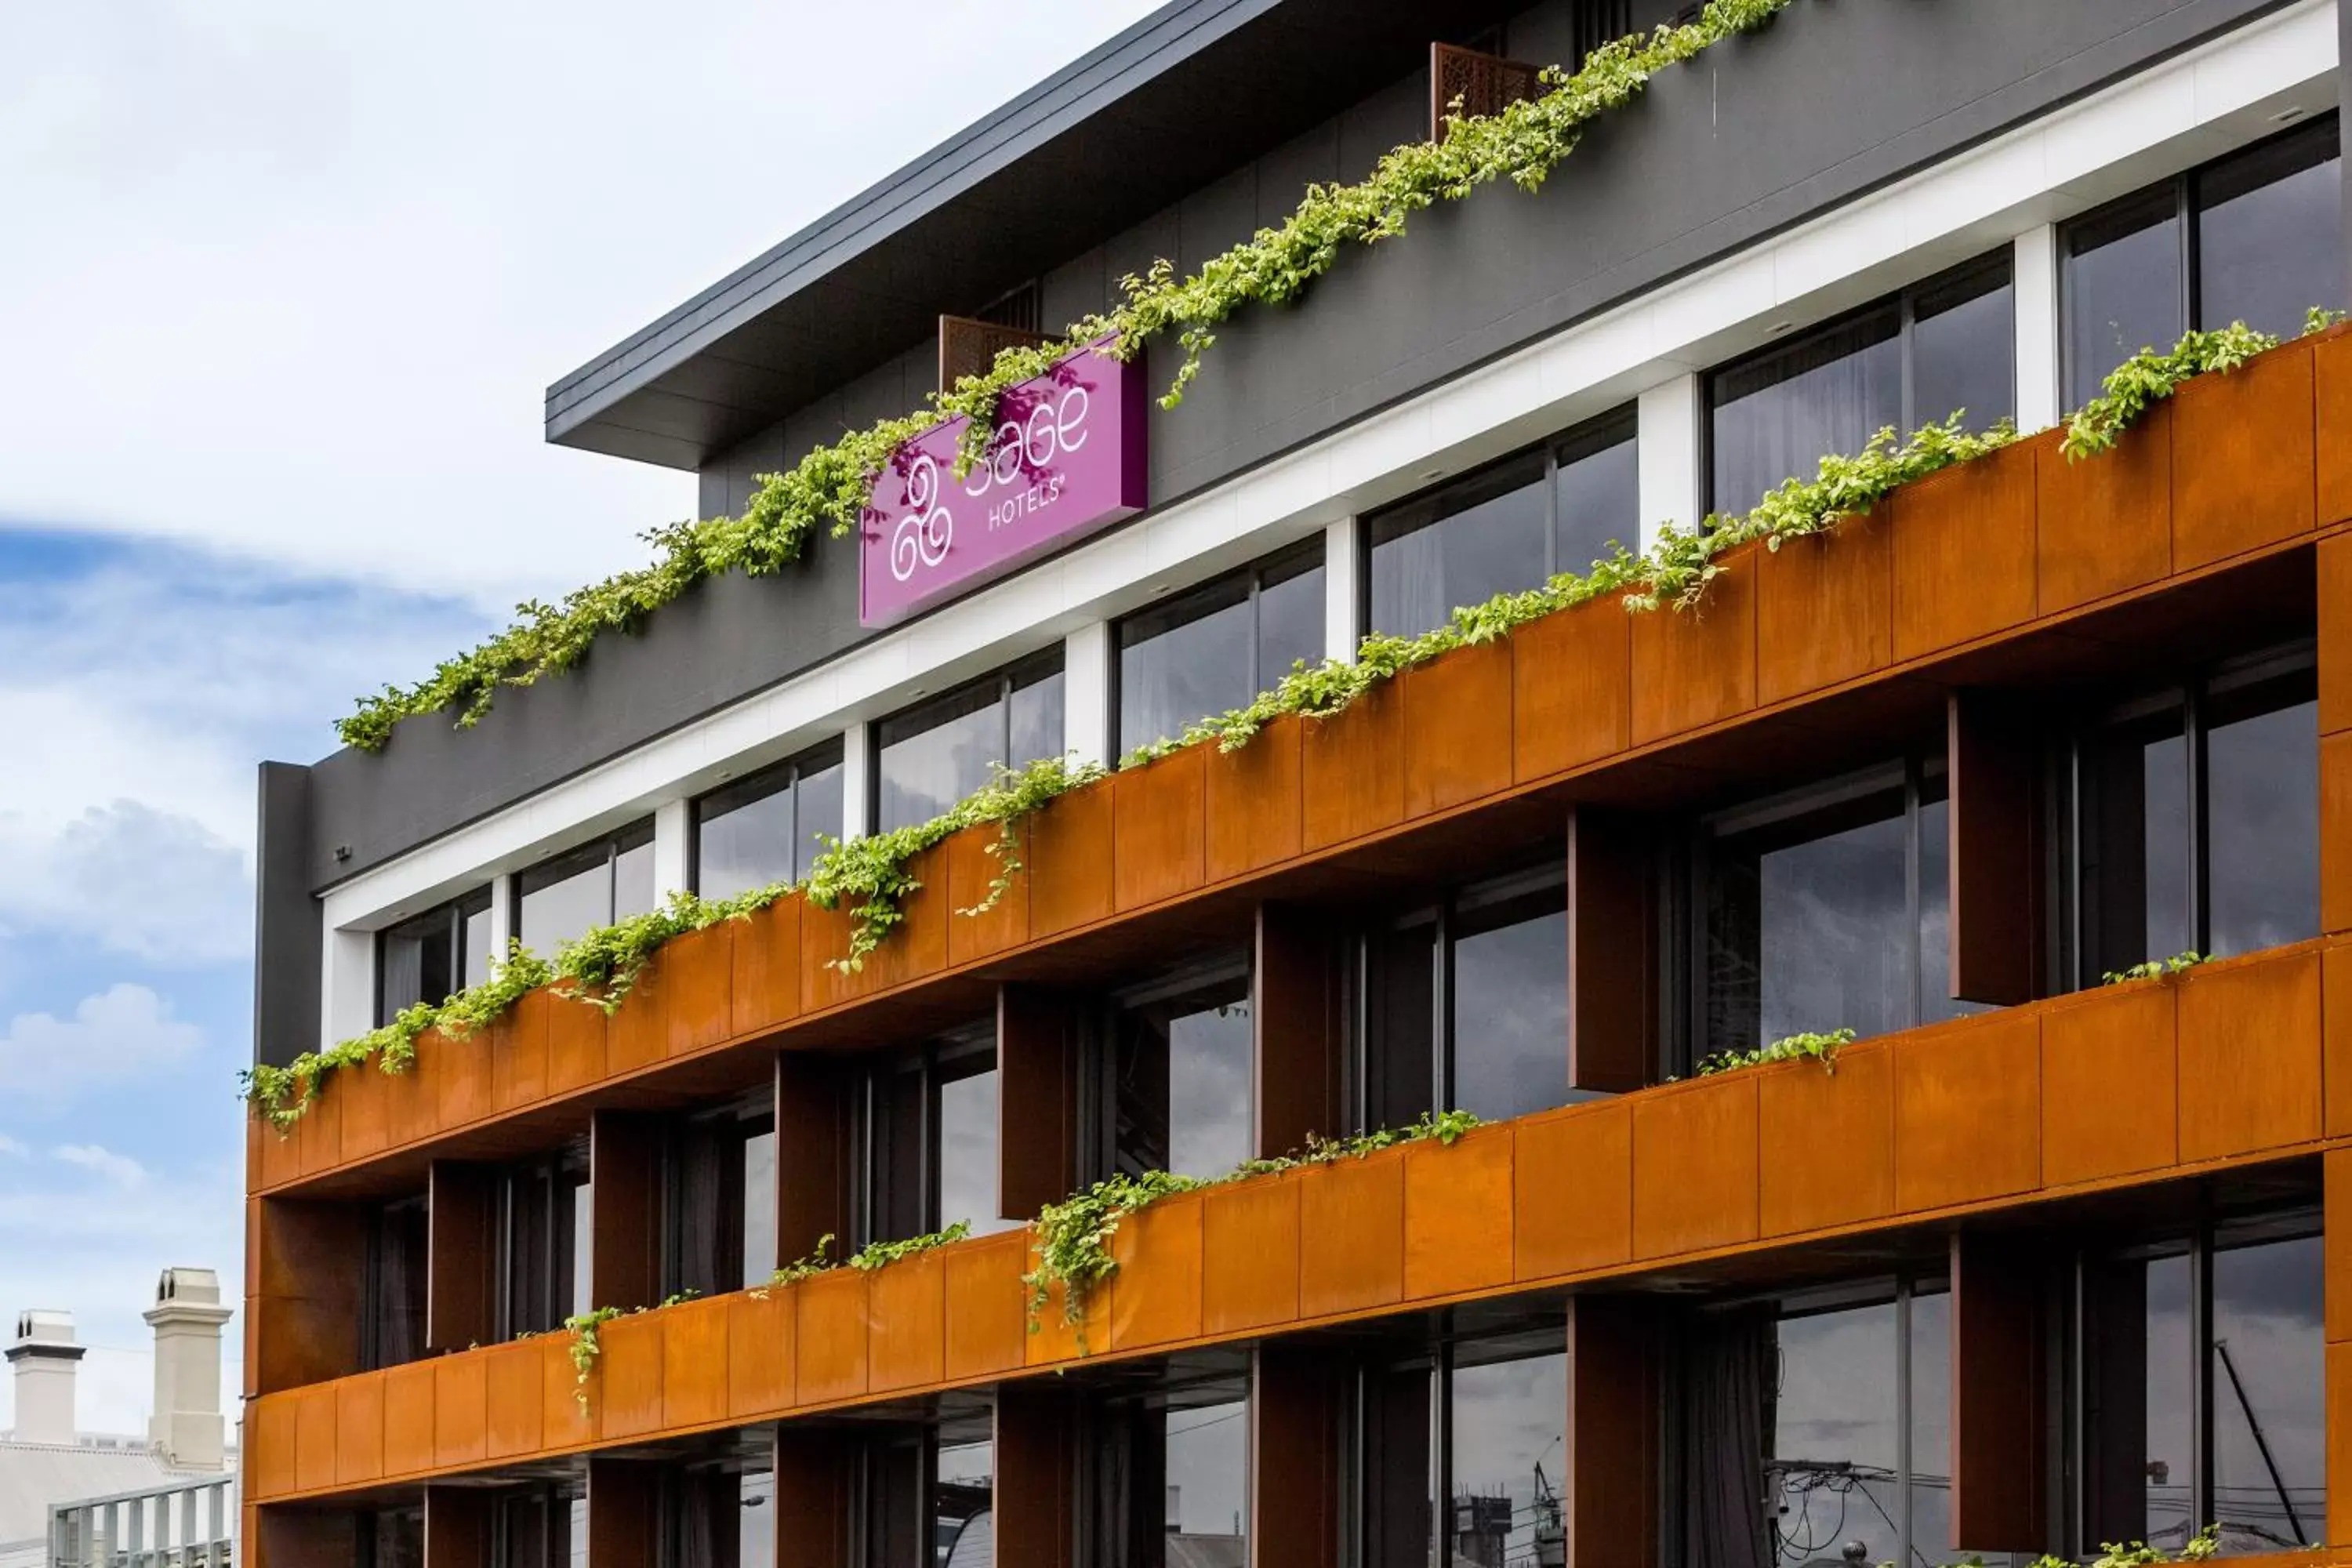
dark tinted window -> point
(1219, 646)
(1507, 528)
(1181, 1079)
(2127, 287)
(394, 1329)
(596, 884)
(429, 957)
(932, 756)
(1945, 346)
(764, 828)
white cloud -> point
(119, 1169)
(124, 1032)
(14, 1148)
(131, 879)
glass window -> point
(1507, 1422)
(1812, 1399)
(542, 1225)
(1945, 346)
(965, 1115)
(1207, 1448)
(1825, 909)
(431, 956)
(394, 1538)
(929, 1133)
(2244, 1394)
(963, 1500)
(764, 828)
(1466, 1005)
(1219, 646)
(2200, 818)
(395, 1331)
(1507, 528)
(931, 756)
(1165, 1477)
(1181, 1085)
(755, 1540)
(712, 1192)
(596, 884)
(538, 1528)
(2261, 226)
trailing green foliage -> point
(831, 487)
(281, 1095)
(2202, 1547)
(1071, 1239)
(2157, 968)
(1821, 1049)
(601, 965)
(587, 1344)
(870, 876)
(882, 1254)
(1675, 571)
(817, 1262)
(2147, 378)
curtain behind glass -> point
(1182, 663)
(400, 1264)
(933, 758)
(1774, 417)
(1462, 546)
(1731, 1370)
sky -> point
(281, 288)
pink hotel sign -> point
(1066, 458)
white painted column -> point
(1086, 677)
(1343, 588)
(347, 996)
(1667, 416)
(673, 847)
(502, 916)
(2039, 393)
(857, 780)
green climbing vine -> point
(1072, 1238)
(2157, 968)
(830, 486)
(2202, 1547)
(587, 1344)
(1814, 1047)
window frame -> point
(1030, 669)
(1904, 302)
(1195, 603)
(454, 912)
(947, 1058)
(764, 784)
(1585, 438)
(612, 845)
(2185, 190)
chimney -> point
(44, 1357)
(188, 1317)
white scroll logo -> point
(923, 535)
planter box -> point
(576, 1043)
(907, 1320)
(1964, 551)
(364, 1110)
(1155, 1297)
(762, 1351)
(1159, 829)
(1572, 1190)
(515, 1376)
(1826, 1140)
(1352, 769)
(830, 1337)
(2249, 477)
(2110, 1104)
(2250, 1054)
(1697, 666)
(1967, 1110)
(460, 1078)
(1070, 862)
(694, 1361)
(461, 1411)
(1457, 1213)
(2104, 523)
(973, 865)
(1249, 1255)
(765, 990)
(517, 1047)
(987, 1316)
(697, 977)
(1571, 689)
(1825, 607)
(1458, 727)
(627, 1386)
(1695, 1166)
(1351, 1234)
(1254, 805)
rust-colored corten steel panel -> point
(1297, 1399)
(2331, 370)
(1610, 1467)
(1698, 666)
(1996, 1395)
(1993, 752)
(359, 1431)
(1159, 1303)
(1458, 727)
(1352, 769)
(1826, 1143)
(2336, 1226)
(976, 861)
(461, 1243)
(1158, 823)
(1572, 689)
(2335, 563)
(811, 1153)
(624, 1512)
(2036, 533)
(2336, 832)
(1038, 1036)
(2081, 554)
(624, 1195)
(2339, 1453)
(1612, 927)
(2250, 1055)
(1964, 566)
(2336, 1020)
(1036, 1466)
(311, 1267)
(457, 1528)
(1298, 1025)
(1798, 648)
(1254, 805)
(812, 1499)
(2252, 479)
(1584, 1196)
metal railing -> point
(189, 1524)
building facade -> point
(2043, 1257)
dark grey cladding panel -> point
(1835, 98)
(286, 938)
(728, 637)
(1826, 103)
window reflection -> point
(1216, 648)
(596, 884)
(1207, 1484)
(431, 956)
(930, 757)
(1507, 528)
(2125, 289)
(1510, 1005)
(2269, 1447)
(1509, 1429)
(963, 1500)
(755, 1539)
(967, 1146)
(764, 828)
(1835, 1415)
(1182, 1080)
(760, 1259)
